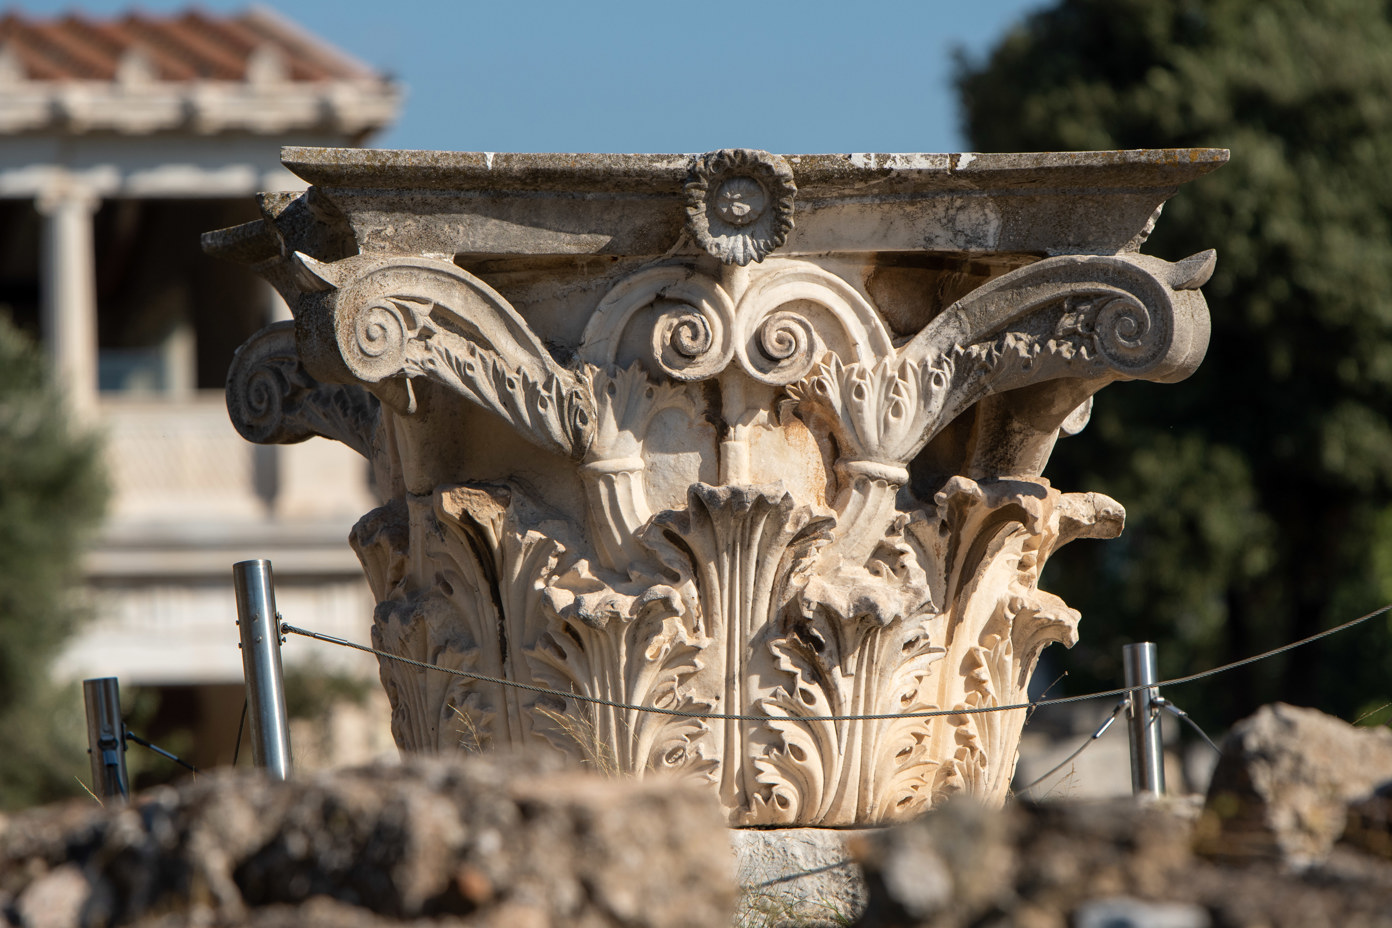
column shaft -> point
(68, 293)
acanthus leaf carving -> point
(632, 644)
(878, 414)
(880, 411)
(858, 641)
(745, 550)
(423, 623)
(1042, 338)
(559, 622)
(518, 548)
(556, 413)
(626, 404)
(1089, 318)
(993, 540)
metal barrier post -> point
(106, 738)
(265, 681)
(1147, 755)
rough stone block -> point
(1284, 781)
(1119, 864)
(803, 877)
(477, 841)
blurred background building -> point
(121, 140)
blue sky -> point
(621, 75)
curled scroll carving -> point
(272, 399)
(1123, 328)
(686, 342)
(803, 311)
(692, 328)
(788, 346)
(380, 329)
(398, 320)
(1114, 317)
(778, 324)
(1088, 320)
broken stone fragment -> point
(499, 841)
(1284, 783)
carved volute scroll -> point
(776, 322)
(681, 479)
(273, 400)
(389, 323)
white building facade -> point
(120, 142)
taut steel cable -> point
(286, 628)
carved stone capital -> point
(786, 486)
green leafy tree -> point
(52, 493)
(1259, 492)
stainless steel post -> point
(106, 738)
(1147, 754)
(265, 679)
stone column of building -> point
(69, 291)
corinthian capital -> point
(733, 462)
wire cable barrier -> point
(1160, 703)
(241, 726)
(1101, 730)
(132, 736)
(286, 628)
(1183, 716)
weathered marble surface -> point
(729, 433)
(805, 877)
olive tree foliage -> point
(52, 492)
(1259, 492)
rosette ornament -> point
(739, 204)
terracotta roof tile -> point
(185, 46)
(199, 55)
(101, 40)
(318, 58)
